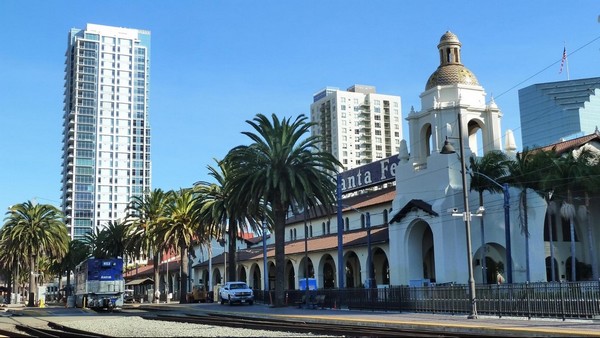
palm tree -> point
(12, 258)
(590, 184)
(93, 240)
(485, 172)
(280, 168)
(39, 230)
(179, 231)
(218, 207)
(524, 173)
(78, 251)
(544, 161)
(572, 175)
(114, 240)
(147, 214)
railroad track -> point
(54, 330)
(318, 328)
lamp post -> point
(340, 233)
(448, 149)
(265, 265)
(306, 285)
(370, 279)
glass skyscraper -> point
(106, 137)
(556, 111)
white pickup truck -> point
(236, 292)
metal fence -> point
(540, 300)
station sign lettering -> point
(369, 175)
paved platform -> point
(488, 325)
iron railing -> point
(540, 300)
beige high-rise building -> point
(358, 125)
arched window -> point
(291, 235)
(362, 221)
(310, 231)
(347, 224)
(295, 234)
(328, 227)
(323, 228)
(385, 216)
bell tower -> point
(450, 89)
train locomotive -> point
(99, 284)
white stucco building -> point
(426, 241)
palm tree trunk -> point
(156, 260)
(183, 281)
(68, 286)
(279, 218)
(232, 250)
(591, 246)
(549, 215)
(526, 231)
(15, 289)
(573, 260)
(572, 233)
(31, 301)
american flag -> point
(562, 62)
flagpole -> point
(566, 60)
(562, 61)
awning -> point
(140, 281)
(412, 206)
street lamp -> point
(448, 149)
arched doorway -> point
(381, 267)
(216, 277)
(291, 276)
(495, 257)
(353, 279)
(549, 277)
(256, 278)
(302, 269)
(420, 251)
(329, 272)
(242, 274)
(272, 276)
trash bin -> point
(71, 301)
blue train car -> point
(99, 283)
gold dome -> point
(451, 70)
(451, 74)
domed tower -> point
(450, 89)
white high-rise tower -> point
(106, 137)
(358, 125)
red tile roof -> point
(569, 145)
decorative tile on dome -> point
(451, 74)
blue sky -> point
(216, 64)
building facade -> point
(106, 136)
(409, 233)
(358, 125)
(554, 111)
